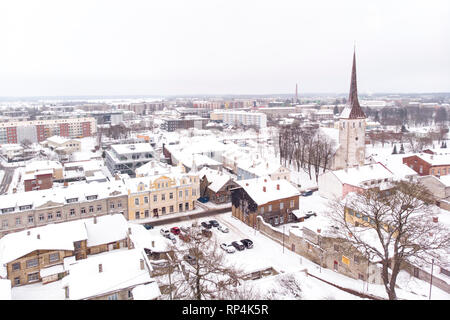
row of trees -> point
(305, 148)
(411, 115)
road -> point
(7, 178)
(202, 214)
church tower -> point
(352, 130)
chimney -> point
(14, 190)
(142, 264)
(28, 233)
(435, 219)
(264, 188)
(129, 230)
(318, 230)
(95, 219)
(265, 180)
(278, 187)
(100, 267)
(66, 184)
(153, 243)
(38, 236)
(246, 184)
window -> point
(163, 210)
(53, 257)
(130, 296)
(181, 194)
(292, 203)
(113, 297)
(41, 217)
(32, 263)
(270, 208)
(163, 197)
(358, 215)
(83, 210)
(356, 259)
(30, 219)
(194, 193)
(281, 205)
(281, 219)
(17, 281)
(350, 212)
(58, 214)
(111, 206)
(119, 205)
(421, 169)
(171, 208)
(186, 193)
(137, 215)
(72, 200)
(360, 276)
(171, 195)
(99, 208)
(91, 197)
(91, 208)
(5, 223)
(72, 212)
(50, 216)
(33, 277)
(18, 221)
(145, 199)
(276, 220)
(262, 210)
(155, 198)
(16, 266)
(146, 213)
(365, 218)
(136, 201)
(187, 206)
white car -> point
(227, 247)
(165, 232)
(223, 229)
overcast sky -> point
(222, 47)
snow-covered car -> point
(223, 229)
(172, 237)
(227, 247)
(185, 229)
(165, 232)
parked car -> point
(228, 248)
(238, 245)
(207, 233)
(206, 225)
(223, 229)
(247, 243)
(175, 230)
(148, 226)
(165, 232)
(184, 237)
(307, 193)
(172, 237)
(185, 228)
(214, 223)
(190, 259)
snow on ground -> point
(15, 183)
(39, 291)
(212, 205)
(88, 144)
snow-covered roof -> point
(109, 228)
(357, 175)
(120, 269)
(60, 236)
(132, 148)
(42, 165)
(148, 239)
(5, 289)
(147, 291)
(435, 159)
(59, 268)
(255, 189)
(59, 140)
(155, 167)
(217, 179)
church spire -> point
(353, 109)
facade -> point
(352, 130)
(274, 201)
(429, 164)
(63, 145)
(20, 211)
(439, 187)
(216, 185)
(125, 158)
(171, 125)
(161, 195)
(143, 108)
(40, 130)
(38, 181)
(236, 118)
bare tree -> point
(394, 226)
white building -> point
(125, 158)
(245, 118)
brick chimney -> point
(100, 267)
(28, 232)
(435, 219)
(264, 188)
(129, 230)
(318, 230)
(153, 243)
(142, 264)
(265, 180)
(38, 236)
(95, 219)
(278, 187)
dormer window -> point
(25, 207)
(72, 200)
(91, 197)
(6, 210)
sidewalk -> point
(169, 216)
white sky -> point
(218, 47)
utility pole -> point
(283, 239)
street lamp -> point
(431, 280)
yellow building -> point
(154, 196)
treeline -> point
(305, 148)
(417, 116)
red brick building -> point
(429, 164)
(38, 181)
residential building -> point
(439, 187)
(62, 145)
(273, 200)
(36, 167)
(238, 118)
(38, 181)
(216, 185)
(429, 164)
(40, 130)
(125, 158)
(160, 195)
(19, 211)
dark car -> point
(206, 225)
(190, 259)
(175, 230)
(238, 245)
(214, 223)
(148, 226)
(307, 193)
(247, 243)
